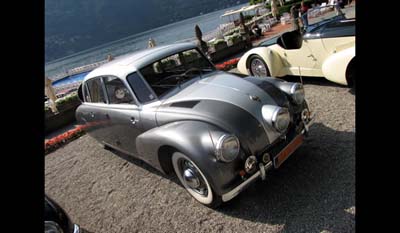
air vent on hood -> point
(185, 104)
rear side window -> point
(117, 92)
(96, 91)
(86, 93)
(140, 88)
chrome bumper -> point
(263, 169)
(76, 229)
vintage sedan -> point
(171, 108)
(326, 49)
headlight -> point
(297, 93)
(227, 148)
(276, 116)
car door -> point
(296, 54)
(123, 113)
(91, 113)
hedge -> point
(64, 100)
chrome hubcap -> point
(191, 179)
(258, 68)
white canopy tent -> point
(246, 10)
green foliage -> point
(232, 36)
(248, 17)
(67, 99)
(254, 2)
(219, 41)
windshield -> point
(170, 72)
(320, 14)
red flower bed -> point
(58, 141)
(228, 64)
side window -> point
(140, 89)
(86, 93)
(96, 92)
(117, 92)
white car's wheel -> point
(194, 181)
(258, 67)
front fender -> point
(334, 68)
(196, 140)
(270, 57)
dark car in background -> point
(56, 220)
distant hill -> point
(75, 25)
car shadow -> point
(312, 191)
(144, 165)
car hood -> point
(232, 89)
(225, 100)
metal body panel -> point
(195, 139)
(190, 118)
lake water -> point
(176, 32)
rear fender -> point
(334, 68)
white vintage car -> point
(326, 49)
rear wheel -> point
(194, 181)
(351, 74)
(258, 67)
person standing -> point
(151, 43)
(294, 12)
(304, 16)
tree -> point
(281, 2)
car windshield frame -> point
(209, 67)
(337, 13)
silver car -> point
(171, 108)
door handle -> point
(312, 56)
(133, 120)
(92, 114)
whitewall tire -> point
(194, 180)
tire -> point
(257, 66)
(351, 74)
(204, 194)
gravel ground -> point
(313, 191)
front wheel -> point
(194, 181)
(258, 67)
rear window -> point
(96, 91)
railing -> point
(77, 70)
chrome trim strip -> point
(311, 122)
(234, 192)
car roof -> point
(126, 64)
